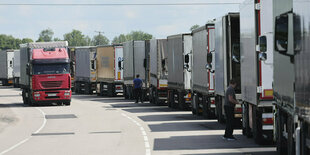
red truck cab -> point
(49, 77)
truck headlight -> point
(67, 94)
(36, 95)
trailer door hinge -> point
(259, 89)
(257, 6)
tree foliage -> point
(9, 42)
(76, 38)
(133, 35)
(194, 27)
(100, 40)
(46, 35)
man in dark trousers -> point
(137, 82)
(229, 106)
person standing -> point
(138, 88)
(229, 107)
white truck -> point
(179, 67)
(203, 78)
(109, 70)
(136, 56)
(85, 70)
(6, 67)
(256, 49)
(16, 68)
(227, 61)
(291, 75)
(158, 71)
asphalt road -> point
(99, 125)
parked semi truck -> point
(203, 78)
(227, 61)
(179, 67)
(16, 68)
(291, 76)
(109, 70)
(45, 73)
(71, 51)
(136, 61)
(256, 49)
(6, 67)
(158, 71)
(85, 70)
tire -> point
(25, 99)
(257, 125)
(220, 116)
(246, 130)
(170, 99)
(67, 103)
(181, 101)
(194, 104)
(281, 141)
(206, 110)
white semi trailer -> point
(85, 70)
(16, 68)
(136, 55)
(256, 49)
(158, 71)
(6, 67)
(179, 67)
(227, 61)
(203, 78)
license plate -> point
(51, 94)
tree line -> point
(74, 38)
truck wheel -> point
(181, 101)
(246, 130)
(195, 104)
(25, 100)
(170, 93)
(206, 112)
(67, 103)
(304, 135)
(281, 141)
(257, 125)
(220, 117)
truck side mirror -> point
(186, 58)
(281, 33)
(209, 66)
(209, 58)
(262, 44)
(120, 65)
(297, 33)
(27, 69)
(144, 63)
(262, 56)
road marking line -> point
(146, 140)
(25, 140)
(147, 145)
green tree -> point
(57, 39)
(9, 42)
(76, 38)
(27, 40)
(133, 35)
(100, 40)
(46, 35)
(194, 27)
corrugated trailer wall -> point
(105, 64)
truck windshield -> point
(51, 69)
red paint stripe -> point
(259, 62)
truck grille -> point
(51, 84)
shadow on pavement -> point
(13, 105)
(171, 117)
(204, 142)
(186, 126)
(149, 110)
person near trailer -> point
(229, 107)
(138, 88)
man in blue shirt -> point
(137, 82)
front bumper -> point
(52, 96)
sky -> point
(160, 21)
